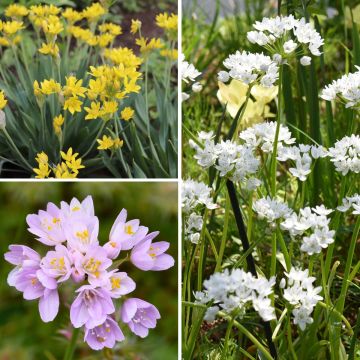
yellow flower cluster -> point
(9, 30)
(16, 11)
(107, 143)
(167, 22)
(66, 169)
(147, 45)
(3, 100)
(57, 124)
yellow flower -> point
(147, 45)
(167, 22)
(135, 26)
(94, 111)
(4, 41)
(43, 170)
(123, 56)
(171, 54)
(61, 171)
(73, 104)
(118, 143)
(72, 16)
(12, 27)
(106, 143)
(57, 123)
(3, 100)
(71, 162)
(48, 87)
(113, 29)
(16, 11)
(49, 49)
(93, 12)
(96, 87)
(73, 87)
(131, 86)
(127, 113)
(110, 107)
(105, 39)
(52, 26)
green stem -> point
(226, 340)
(72, 345)
(96, 137)
(278, 121)
(146, 97)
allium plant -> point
(270, 270)
(75, 257)
(66, 76)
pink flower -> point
(77, 209)
(104, 335)
(140, 316)
(124, 235)
(119, 284)
(57, 264)
(150, 256)
(22, 255)
(91, 307)
(46, 225)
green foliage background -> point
(23, 336)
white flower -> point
(223, 76)
(196, 87)
(187, 70)
(194, 193)
(346, 90)
(184, 96)
(250, 68)
(271, 209)
(290, 46)
(211, 313)
(302, 317)
(305, 60)
(346, 154)
(350, 201)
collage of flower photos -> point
(180, 180)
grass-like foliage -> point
(79, 100)
(270, 196)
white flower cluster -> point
(238, 162)
(271, 209)
(302, 155)
(346, 154)
(189, 74)
(350, 202)
(314, 222)
(237, 290)
(194, 195)
(346, 90)
(301, 294)
(276, 33)
(250, 68)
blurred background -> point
(23, 336)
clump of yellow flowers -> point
(68, 40)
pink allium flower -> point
(150, 256)
(139, 315)
(46, 225)
(22, 255)
(77, 209)
(91, 307)
(119, 284)
(104, 335)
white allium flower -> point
(223, 76)
(346, 90)
(350, 201)
(278, 31)
(305, 60)
(316, 223)
(194, 193)
(188, 71)
(271, 209)
(346, 154)
(302, 295)
(196, 87)
(238, 290)
(252, 68)
(184, 96)
(211, 313)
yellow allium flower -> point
(49, 49)
(16, 11)
(75, 165)
(167, 22)
(69, 155)
(113, 29)
(93, 12)
(52, 26)
(37, 90)
(73, 87)
(110, 107)
(73, 104)
(135, 26)
(43, 170)
(12, 27)
(3, 100)
(57, 123)
(93, 111)
(92, 40)
(127, 113)
(171, 54)
(48, 87)
(123, 56)
(131, 86)
(105, 143)
(72, 16)
(118, 143)
(96, 87)
(105, 39)
(63, 172)
(147, 45)
(4, 41)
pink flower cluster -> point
(73, 231)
